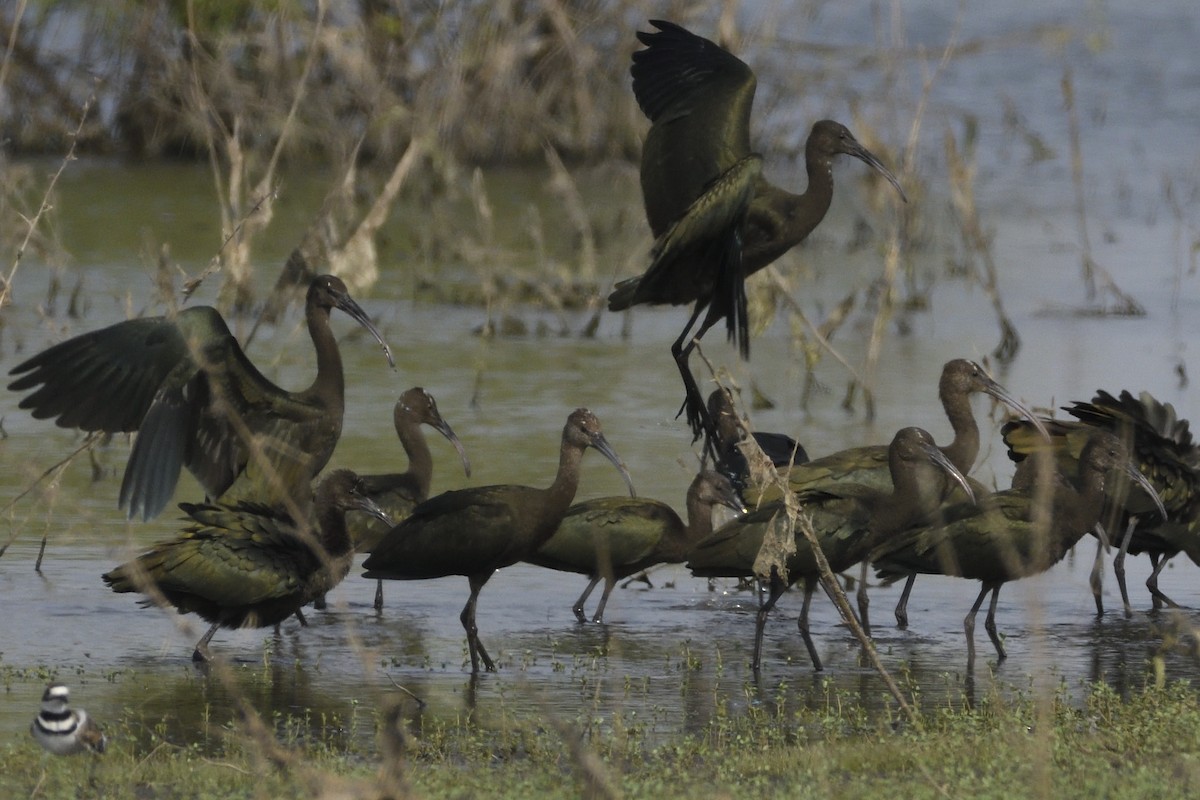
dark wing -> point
(207, 412)
(626, 529)
(461, 532)
(858, 465)
(698, 98)
(103, 380)
(781, 449)
(231, 557)
(188, 389)
(991, 541)
(731, 550)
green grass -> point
(1147, 745)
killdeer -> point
(62, 731)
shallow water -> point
(668, 654)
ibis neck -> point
(331, 530)
(699, 517)
(963, 451)
(416, 447)
(330, 383)
(918, 492)
(566, 482)
(780, 220)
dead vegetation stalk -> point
(978, 243)
(1092, 271)
(779, 543)
(43, 207)
(12, 41)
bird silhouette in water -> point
(184, 384)
(715, 217)
(62, 730)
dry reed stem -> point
(978, 243)
(895, 243)
(357, 259)
(1092, 271)
(56, 470)
(43, 206)
(12, 42)
(779, 543)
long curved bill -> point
(601, 444)
(444, 429)
(938, 457)
(867, 157)
(1137, 477)
(368, 506)
(730, 498)
(1000, 393)
(346, 303)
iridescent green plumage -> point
(248, 564)
(848, 519)
(611, 538)
(1164, 452)
(1005, 537)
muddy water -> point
(671, 653)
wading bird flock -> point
(263, 543)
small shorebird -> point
(62, 731)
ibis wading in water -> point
(1162, 449)
(868, 465)
(399, 492)
(184, 384)
(1005, 537)
(848, 520)
(474, 532)
(611, 538)
(714, 216)
(247, 564)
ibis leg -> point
(1159, 560)
(1119, 565)
(864, 602)
(608, 587)
(578, 607)
(320, 604)
(969, 625)
(810, 585)
(478, 653)
(379, 595)
(644, 577)
(760, 619)
(200, 654)
(300, 618)
(693, 402)
(902, 603)
(1096, 579)
(989, 624)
